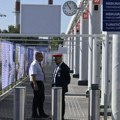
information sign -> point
(111, 15)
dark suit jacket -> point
(62, 78)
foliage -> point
(55, 42)
(11, 29)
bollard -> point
(19, 103)
(94, 102)
(57, 103)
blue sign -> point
(111, 15)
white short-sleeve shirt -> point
(36, 70)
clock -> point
(69, 8)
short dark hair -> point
(37, 53)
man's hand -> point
(34, 82)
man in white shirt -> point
(37, 78)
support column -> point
(70, 60)
(94, 28)
(116, 77)
(103, 74)
(72, 51)
(83, 67)
(106, 73)
(64, 49)
(69, 51)
(76, 54)
(93, 57)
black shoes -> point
(44, 116)
(36, 116)
(41, 116)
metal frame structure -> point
(8, 35)
(42, 38)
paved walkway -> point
(76, 106)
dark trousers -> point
(38, 99)
(63, 104)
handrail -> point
(4, 35)
(74, 94)
(5, 94)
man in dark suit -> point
(61, 78)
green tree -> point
(13, 29)
(4, 31)
(55, 42)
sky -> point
(7, 7)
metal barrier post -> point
(88, 95)
(57, 103)
(95, 102)
(19, 103)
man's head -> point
(57, 58)
(39, 56)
